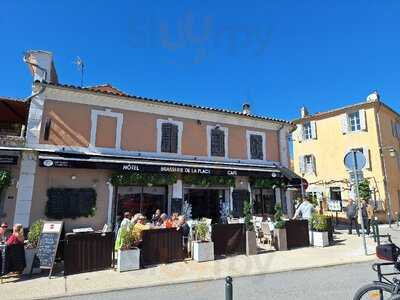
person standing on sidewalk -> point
(364, 215)
(304, 210)
(370, 213)
(352, 216)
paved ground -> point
(348, 249)
(330, 283)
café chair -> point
(267, 234)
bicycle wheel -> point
(374, 291)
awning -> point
(294, 180)
(148, 165)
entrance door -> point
(205, 203)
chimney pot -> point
(303, 112)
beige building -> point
(91, 153)
(322, 140)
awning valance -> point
(157, 165)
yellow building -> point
(321, 141)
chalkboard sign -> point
(48, 244)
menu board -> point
(48, 243)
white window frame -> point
(264, 144)
(307, 131)
(160, 122)
(356, 125)
(93, 130)
(226, 131)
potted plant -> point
(203, 248)
(319, 225)
(128, 254)
(251, 236)
(280, 238)
(31, 248)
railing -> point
(12, 136)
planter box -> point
(320, 239)
(203, 251)
(251, 243)
(29, 256)
(280, 239)
(128, 260)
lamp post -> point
(392, 153)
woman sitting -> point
(17, 237)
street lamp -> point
(392, 153)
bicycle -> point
(383, 288)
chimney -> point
(246, 109)
(373, 97)
(41, 65)
(303, 112)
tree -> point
(364, 190)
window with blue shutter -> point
(217, 142)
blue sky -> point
(279, 55)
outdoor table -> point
(229, 238)
(89, 251)
(162, 245)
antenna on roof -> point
(81, 67)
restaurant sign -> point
(147, 167)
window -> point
(335, 194)
(47, 127)
(256, 145)
(307, 133)
(354, 121)
(264, 201)
(217, 142)
(308, 163)
(169, 138)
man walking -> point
(304, 210)
(352, 216)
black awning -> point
(147, 165)
(293, 179)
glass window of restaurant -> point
(206, 203)
(142, 199)
(263, 201)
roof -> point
(110, 90)
(345, 108)
(13, 110)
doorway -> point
(205, 203)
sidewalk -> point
(347, 249)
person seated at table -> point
(167, 222)
(160, 222)
(135, 218)
(3, 229)
(175, 219)
(17, 237)
(138, 228)
(126, 221)
(156, 217)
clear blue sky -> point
(277, 54)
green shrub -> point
(34, 233)
(279, 223)
(201, 231)
(319, 222)
(248, 215)
(127, 239)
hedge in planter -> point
(66, 203)
(142, 179)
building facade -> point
(322, 140)
(92, 153)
